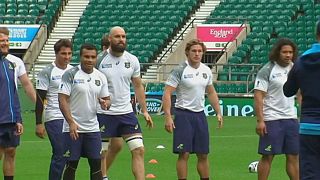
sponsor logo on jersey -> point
(97, 82)
(186, 76)
(276, 75)
(106, 65)
(127, 64)
(204, 75)
(78, 81)
(57, 77)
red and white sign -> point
(216, 36)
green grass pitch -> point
(232, 148)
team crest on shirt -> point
(97, 82)
(204, 75)
(127, 64)
(187, 76)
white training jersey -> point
(276, 105)
(119, 71)
(84, 90)
(19, 68)
(190, 84)
(49, 80)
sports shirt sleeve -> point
(175, 76)
(136, 68)
(66, 83)
(21, 70)
(262, 79)
(210, 81)
(104, 89)
(43, 80)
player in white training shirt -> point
(19, 70)
(277, 124)
(121, 68)
(81, 89)
(47, 85)
(113, 145)
(191, 81)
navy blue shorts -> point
(87, 145)
(282, 138)
(309, 157)
(191, 133)
(118, 125)
(8, 137)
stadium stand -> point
(149, 21)
(153, 24)
(268, 20)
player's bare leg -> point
(264, 167)
(203, 165)
(182, 165)
(138, 163)
(9, 161)
(292, 166)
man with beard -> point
(121, 68)
(113, 145)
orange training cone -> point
(153, 161)
(150, 176)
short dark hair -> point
(105, 41)
(87, 46)
(4, 30)
(274, 54)
(195, 42)
(62, 43)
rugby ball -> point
(253, 167)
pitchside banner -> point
(229, 106)
(20, 36)
(216, 36)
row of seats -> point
(269, 20)
(154, 22)
(28, 11)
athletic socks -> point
(105, 178)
